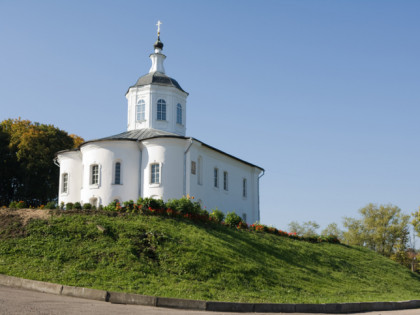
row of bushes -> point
(185, 208)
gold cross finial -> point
(159, 23)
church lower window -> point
(117, 180)
(225, 180)
(94, 174)
(65, 183)
(141, 110)
(154, 174)
(161, 110)
(216, 178)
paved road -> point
(17, 301)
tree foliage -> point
(382, 228)
(306, 229)
(27, 170)
(332, 230)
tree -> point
(306, 229)
(332, 230)
(382, 228)
(27, 152)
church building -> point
(154, 157)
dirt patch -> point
(24, 215)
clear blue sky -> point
(322, 94)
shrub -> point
(62, 205)
(77, 206)
(153, 203)
(184, 205)
(217, 215)
(86, 206)
(69, 205)
(232, 219)
(112, 206)
(21, 204)
(13, 205)
(50, 205)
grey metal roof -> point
(138, 135)
(150, 133)
(157, 78)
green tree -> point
(27, 160)
(308, 228)
(332, 230)
(382, 228)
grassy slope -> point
(175, 258)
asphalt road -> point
(17, 301)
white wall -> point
(71, 163)
(151, 94)
(169, 154)
(225, 200)
(105, 154)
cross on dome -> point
(159, 23)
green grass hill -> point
(177, 258)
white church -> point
(154, 158)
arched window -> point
(141, 110)
(179, 114)
(117, 174)
(161, 110)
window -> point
(216, 177)
(225, 180)
(244, 217)
(193, 168)
(200, 171)
(244, 188)
(141, 110)
(179, 114)
(65, 183)
(161, 110)
(154, 174)
(94, 174)
(117, 174)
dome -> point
(157, 78)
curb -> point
(138, 299)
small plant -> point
(69, 205)
(232, 219)
(77, 206)
(21, 204)
(86, 206)
(62, 205)
(50, 205)
(217, 216)
(13, 205)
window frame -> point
(65, 183)
(161, 110)
(179, 114)
(119, 182)
(141, 110)
(225, 181)
(244, 188)
(94, 178)
(216, 178)
(155, 175)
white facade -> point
(155, 159)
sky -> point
(324, 95)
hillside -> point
(177, 258)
